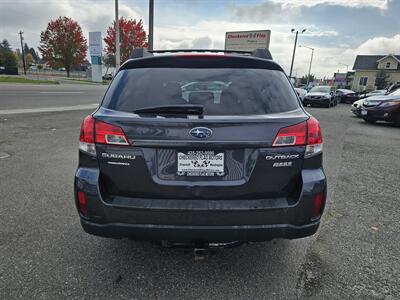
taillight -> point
(82, 203)
(306, 133)
(86, 139)
(318, 205)
(109, 134)
(314, 138)
(97, 132)
(294, 135)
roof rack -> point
(143, 52)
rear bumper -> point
(192, 233)
(388, 115)
(208, 220)
(350, 100)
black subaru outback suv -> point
(193, 146)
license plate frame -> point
(200, 163)
(364, 112)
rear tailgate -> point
(148, 167)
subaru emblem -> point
(201, 132)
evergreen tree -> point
(382, 79)
(5, 46)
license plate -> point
(364, 112)
(200, 163)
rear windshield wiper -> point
(178, 109)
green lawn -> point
(10, 79)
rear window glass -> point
(222, 91)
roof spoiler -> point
(260, 53)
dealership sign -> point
(95, 51)
(95, 43)
(247, 40)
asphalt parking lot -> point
(46, 254)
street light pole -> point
(151, 24)
(22, 50)
(117, 45)
(309, 69)
(294, 50)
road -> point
(30, 96)
(45, 253)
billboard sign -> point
(95, 46)
(247, 40)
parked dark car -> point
(322, 95)
(393, 87)
(382, 108)
(241, 165)
(373, 93)
(347, 96)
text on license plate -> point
(364, 112)
(200, 163)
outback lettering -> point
(282, 156)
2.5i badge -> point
(278, 159)
(282, 164)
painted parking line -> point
(47, 109)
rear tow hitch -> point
(200, 249)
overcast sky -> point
(337, 29)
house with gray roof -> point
(366, 67)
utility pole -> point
(294, 50)
(22, 50)
(117, 46)
(309, 69)
(151, 24)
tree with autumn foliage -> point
(62, 44)
(131, 35)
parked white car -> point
(301, 92)
(356, 107)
